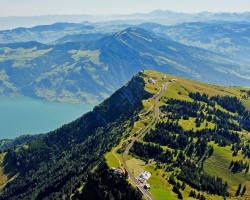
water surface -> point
(23, 115)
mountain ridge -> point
(56, 164)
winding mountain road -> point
(141, 134)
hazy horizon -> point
(117, 14)
(116, 7)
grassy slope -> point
(180, 89)
(218, 166)
(5, 178)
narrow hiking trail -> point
(140, 134)
(114, 151)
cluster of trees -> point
(151, 151)
(246, 150)
(239, 192)
(196, 178)
(247, 95)
(223, 119)
(214, 185)
(172, 135)
(146, 151)
(223, 133)
(222, 137)
(154, 151)
(239, 166)
(165, 135)
(103, 184)
(196, 196)
(190, 173)
(177, 186)
(203, 148)
(178, 109)
(232, 104)
(246, 91)
(200, 97)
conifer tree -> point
(243, 190)
(238, 190)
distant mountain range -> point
(158, 16)
(224, 37)
(228, 38)
(44, 34)
(91, 71)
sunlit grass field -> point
(216, 165)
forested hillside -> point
(11, 143)
(55, 165)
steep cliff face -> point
(54, 164)
(123, 101)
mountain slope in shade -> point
(59, 161)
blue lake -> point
(22, 115)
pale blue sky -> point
(54, 7)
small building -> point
(144, 175)
(151, 80)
